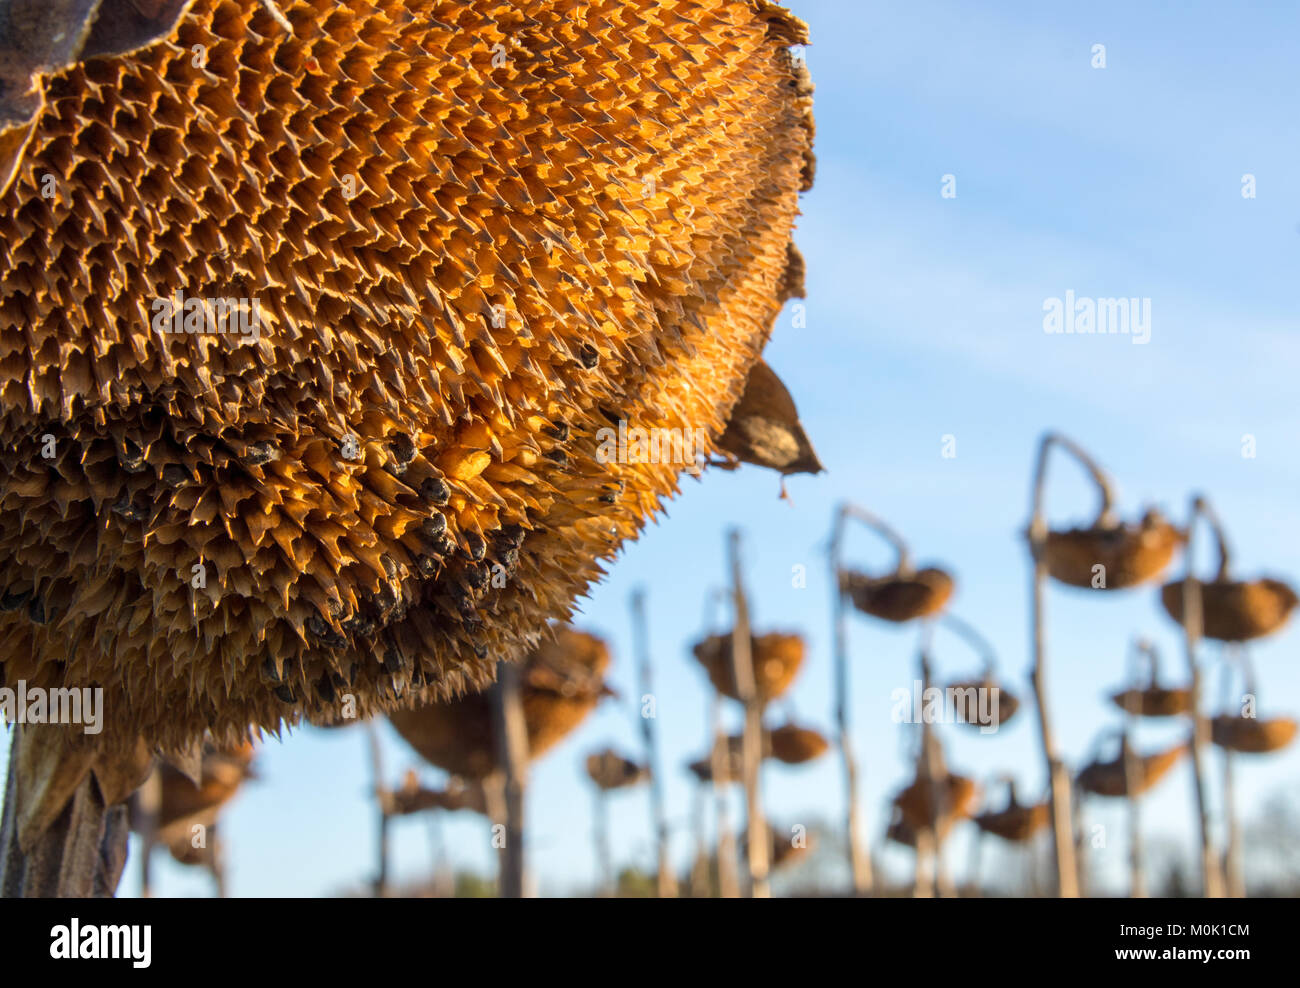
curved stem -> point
(1248, 673)
(1058, 776)
(881, 528)
(1105, 487)
(713, 601)
(1004, 779)
(975, 640)
(1139, 649)
(1234, 657)
(1202, 509)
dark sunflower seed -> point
(435, 491)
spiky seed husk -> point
(385, 185)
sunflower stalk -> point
(742, 660)
(512, 752)
(1211, 875)
(665, 883)
(859, 858)
(1067, 874)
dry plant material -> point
(1151, 699)
(795, 745)
(1132, 554)
(1235, 610)
(916, 802)
(783, 851)
(222, 774)
(901, 596)
(1015, 823)
(789, 743)
(702, 769)
(1251, 735)
(729, 751)
(764, 428)
(1108, 778)
(477, 232)
(777, 657)
(1154, 701)
(1231, 610)
(900, 831)
(412, 798)
(184, 805)
(41, 38)
(610, 770)
(966, 701)
(563, 680)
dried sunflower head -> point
(610, 770)
(562, 683)
(777, 658)
(1236, 610)
(308, 336)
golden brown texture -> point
(1132, 554)
(1015, 823)
(1108, 778)
(610, 770)
(901, 596)
(957, 797)
(967, 703)
(1257, 736)
(412, 798)
(562, 683)
(796, 745)
(777, 658)
(1154, 701)
(1235, 610)
(477, 232)
(764, 427)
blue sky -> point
(924, 319)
